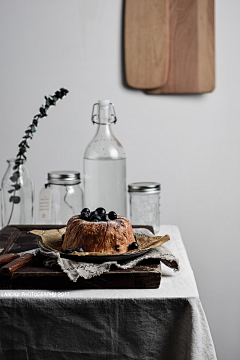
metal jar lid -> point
(64, 177)
(144, 187)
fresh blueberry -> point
(84, 216)
(101, 211)
(112, 215)
(68, 251)
(133, 246)
(96, 218)
(86, 210)
(78, 249)
(93, 213)
(105, 217)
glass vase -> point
(17, 195)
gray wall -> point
(190, 144)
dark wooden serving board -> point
(34, 275)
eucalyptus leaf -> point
(17, 186)
(22, 150)
(15, 199)
(52, 101)
(15, 176)
(64, 91)
(47, 102)
(22, 143)
(43, 111)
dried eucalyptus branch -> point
(23, 146)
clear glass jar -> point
(66, 196)
(17, 195)
(105, 164)
(144, 200)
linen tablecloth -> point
(164, 323)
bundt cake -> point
(99, 232)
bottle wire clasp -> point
(95, 113)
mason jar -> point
(144, 200)
(66, 196)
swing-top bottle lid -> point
(63, 177)
(104, 103)
(103, 113)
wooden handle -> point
(4, 259)
(146, 40)
(17, 263)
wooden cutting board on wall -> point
(191, 67)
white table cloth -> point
(164, 323)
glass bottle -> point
(17, 195)
(66, 196)
(105, 164)
(144, 200)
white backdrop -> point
(188, 143)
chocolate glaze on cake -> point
(109, 237)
